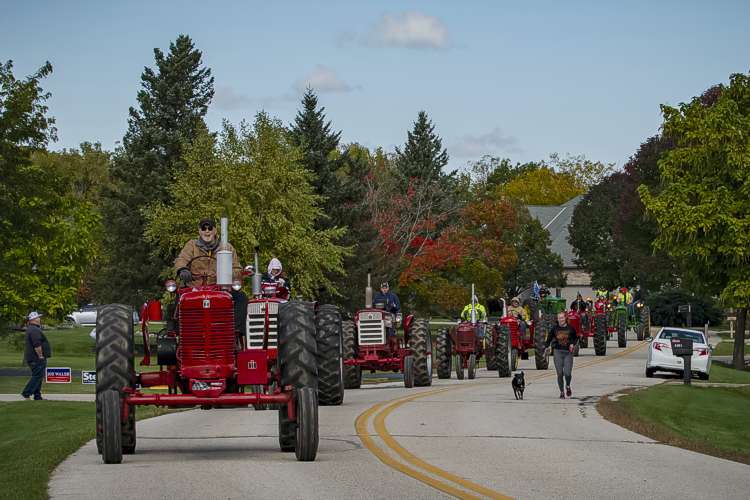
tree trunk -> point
(738, 357)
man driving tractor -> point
(390, 301)
(517, 311)
(194, 265)
(480, 314)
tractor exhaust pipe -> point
(368, 293)
(224, 257)
(473, 307)
(256, 274)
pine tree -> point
(172, 102)
(319, 144)
(423, 156)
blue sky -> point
(515, 79)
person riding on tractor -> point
(275, 275)
(480, 314)
(193, 265)
(390, 303)
(579, 304)
(519, 312)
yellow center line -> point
(384, 409)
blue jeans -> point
(34, 386)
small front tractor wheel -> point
(459, 367)
(352, 373)
(583, 341)
(115, 367)
(576, 350)
(540, 346)
(111, 406)
(622, 330)
(420, 343)
(644, 324)
(513, 359)
(503, 352)
(330, 361)
(600, 335)
(409, 371)
(306, 433)
(443, 354)
(472, 371)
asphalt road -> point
(468, 439)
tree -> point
(585, 172)
(490, 172)
(542, 186)
(253, 175)
(172, 102)
(703, 208)
(313, 135)
(423, 156)
(47, 229)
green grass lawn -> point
(726, 348)
(37, 435)
(723, 374)
(710, 420)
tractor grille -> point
(256, 323)
(206, 336)
(371, 328)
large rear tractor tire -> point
(420, 343)
(622, 329)
(306, 434)
(110, 403)
(409, 371)
(583, 341)
(600, 335)
(287, 431)
(352, 374)
(330, 360)
(115, 367)
(503, 352)
(644, 325)
(576, 350)
(541, 356)
(443, 354)
(489, 351)
(299, 369)
(472, 371)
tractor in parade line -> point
(543, 315)
(621, 317)
(370, 342)
(591, 324)
(460, 346)
(220, 350)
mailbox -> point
(682, 347)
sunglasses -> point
(207, 227)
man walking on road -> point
(36, 352)
(562, 338)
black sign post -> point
(688, 311)
(683, 348)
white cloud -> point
(227, 98)
(323, 79)
(413, 30)
(494, 141)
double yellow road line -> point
(394, 455)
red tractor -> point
(370, 343)
(584, 324)
(218, 351)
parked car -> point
(660, 357)
(86, 316)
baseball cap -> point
(207, 220)
(33, 315)
(384, 285)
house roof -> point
(556, 219)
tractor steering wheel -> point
(205, 276)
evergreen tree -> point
(423, 156)
(172, 102)
(313, 135)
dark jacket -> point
(392, 304)
(561, 337)
(578, 305)
(35, 338)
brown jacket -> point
(200, 259)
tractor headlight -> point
(236, 286)
(171, 286)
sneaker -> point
(568, 392)
(39, 399)
(562, 395)
(27, 398)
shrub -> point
(664, 308)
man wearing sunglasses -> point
(196, 264)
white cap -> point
(33, 315)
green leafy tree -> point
(703, 208)
(172, 102)
(542, 186)
(490, 172)
(585, 172)
(255, 176)
(47, 229)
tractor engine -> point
(371, 326)
(465, 337)
(206, 351)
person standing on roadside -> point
(36, 352)
(562, 339)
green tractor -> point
(621, 318)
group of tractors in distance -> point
(223, 348)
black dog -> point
(519, 384)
